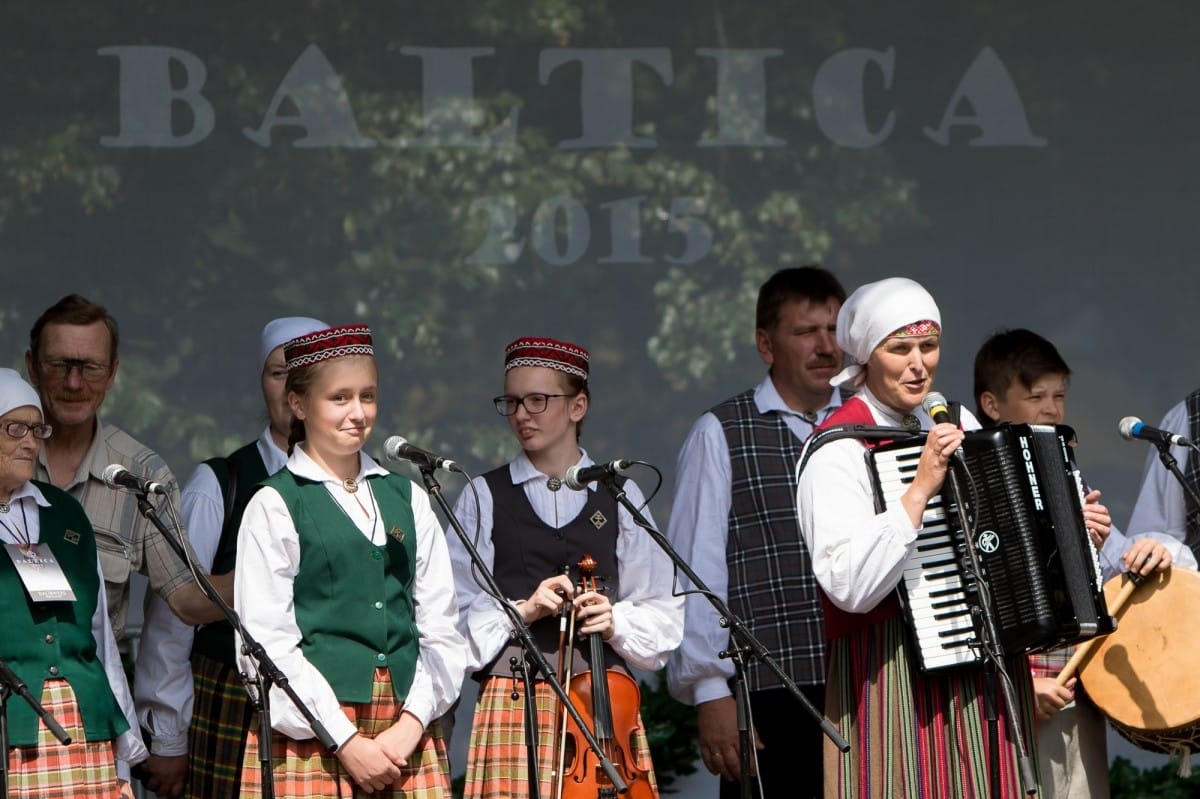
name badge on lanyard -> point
(40, 573)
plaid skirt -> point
(307, 770)
(221, 719)
(497, 758)
(48, 770)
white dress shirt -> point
(647, 618)
(268, 560)
(129, 746)
(699, 531)
(858, 555)
(164, 696)
(1161, 509)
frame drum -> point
(1145, 677)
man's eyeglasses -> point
(88, 370)
(534, 403)
(19, 429)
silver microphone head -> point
(1126, 425)
(571, 478)
(392, 446)
(111, 472)
(934, 400)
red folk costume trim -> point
(333, 342)
(549, 353)
(926, 327)
(840, 622)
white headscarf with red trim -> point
(875, 312)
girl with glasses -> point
(531, 526)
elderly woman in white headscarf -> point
(55, 638)
(911, 734)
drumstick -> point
(1083, 649)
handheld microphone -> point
(397, 448)
(1132, 427)
(577, 477)
(937, 407)
(117, 476)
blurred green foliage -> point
(1128, 782)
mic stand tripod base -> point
(747, 753)
(523, 673)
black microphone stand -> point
(1169, 461)
(10, 684)
(995, 668)
(535, 661)
(268, 673)
(743, 647)
(982, 612)
(524, 670)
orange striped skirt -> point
(307, 770)
(48, 770)
(497, 758)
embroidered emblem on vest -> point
(71, 537)
(598, 520)
(397, 534)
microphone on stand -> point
(397, 448)
(577, 477)
(117, 476)
(1132, 427)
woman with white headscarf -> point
(911, 734)
(56, 637)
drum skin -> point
(1145, 677)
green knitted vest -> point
(53, 640)
(353, 600)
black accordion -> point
(1022, 499)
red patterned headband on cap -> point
(926, 327)
(548, 353)
(333, 342)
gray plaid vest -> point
(771, 582)
(1192, 473)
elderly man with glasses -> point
(72, 362)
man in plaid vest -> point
(734, 520)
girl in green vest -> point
(342, 575)
(201, 756)
(56, 639)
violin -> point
(608, 701)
